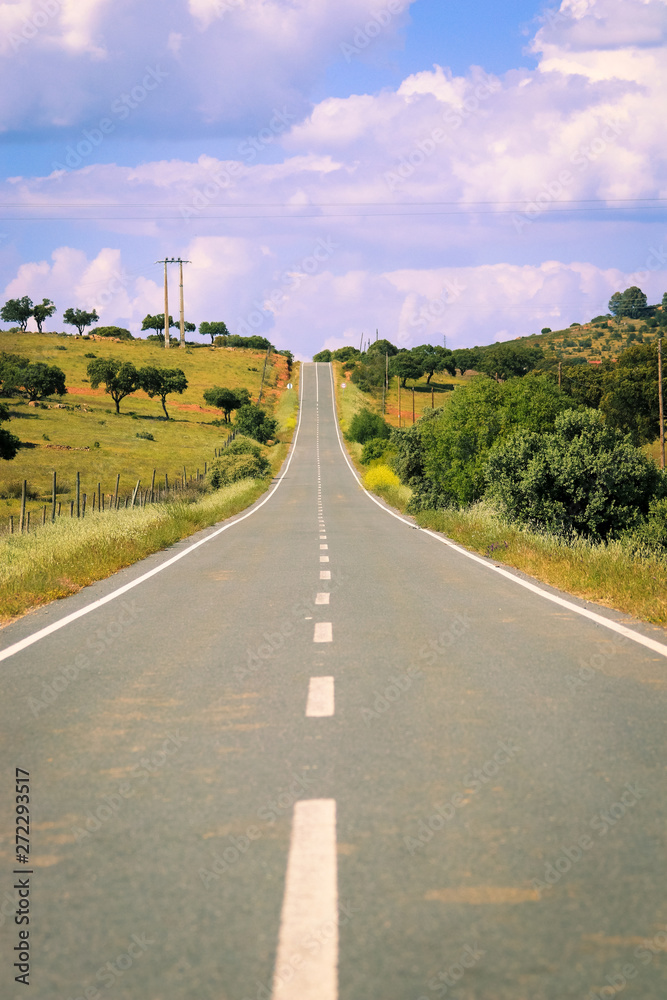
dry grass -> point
(607, 574)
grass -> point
(60, 558)
(81, 432)
(606, 574)
(426, 397)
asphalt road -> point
(375, 770)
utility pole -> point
(361, 343)
(399, 399)
(180, 264)
(385, 387)
(413, 404)
(661, 406)
(166, 303)
(172, 260)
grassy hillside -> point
(81, 432)
(599, 339)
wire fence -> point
(98, 501)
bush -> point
(322, 356)
(545, 329)
(231, 467)
(651, 534)
(252, 421)
(113, 331)
(89, 355)
(583, 478)
(427, 495)
(145, 435)
(366, 425)
(374, 449)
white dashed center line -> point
(322, 547)
(324, 558)
(325, 574)
(320, 698)
(310, 902)
(322, 598)
(323, 632)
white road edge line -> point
(55, 626)
(643, 640)
(310, 907)
(320, 702)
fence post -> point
(152, 485)
(27, 523)
(11, 524)
(94, 499)
(71, 508)
(24, 489)
(44, 515)
(59, 506)
(99, 492)
(53, 497)
(116, 493)
(78, 494)
(136, 490)
(83, 510)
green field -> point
(80, 432)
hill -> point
(80, 432)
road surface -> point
(322, 755)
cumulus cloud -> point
(222, 62)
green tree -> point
(161, 382)
(9, 443)
(634, 302)
(467, 358)
(80, 318)
(366, 425)
(226, 400)
(36, 380)
(156, 322)
(457, 439)
(583, 477)
(510, 360)
(255, 423)
(345, 354)
(120, 378)
(616, 304)
(406, 365)
(382, 347)
(322, 356)
(630, 399)
(17, 311)
(434, 359)
(212, 330)
(42, 311)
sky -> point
(332, 168)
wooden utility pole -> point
(661, 406)
(385, 385)
(432, 398)
(413, 404)
(53, 497)
(399, 399)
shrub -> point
(252, 421)
(113, 331)
(366, 425)
(374, 449)
(651, 534)
(322, 356)
(89, 355)
(381, 477)
(545, 329)
(583, 478)
(146, 435)
(230, 468)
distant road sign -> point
(289, 385)
(342, 385)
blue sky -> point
(427, 168)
